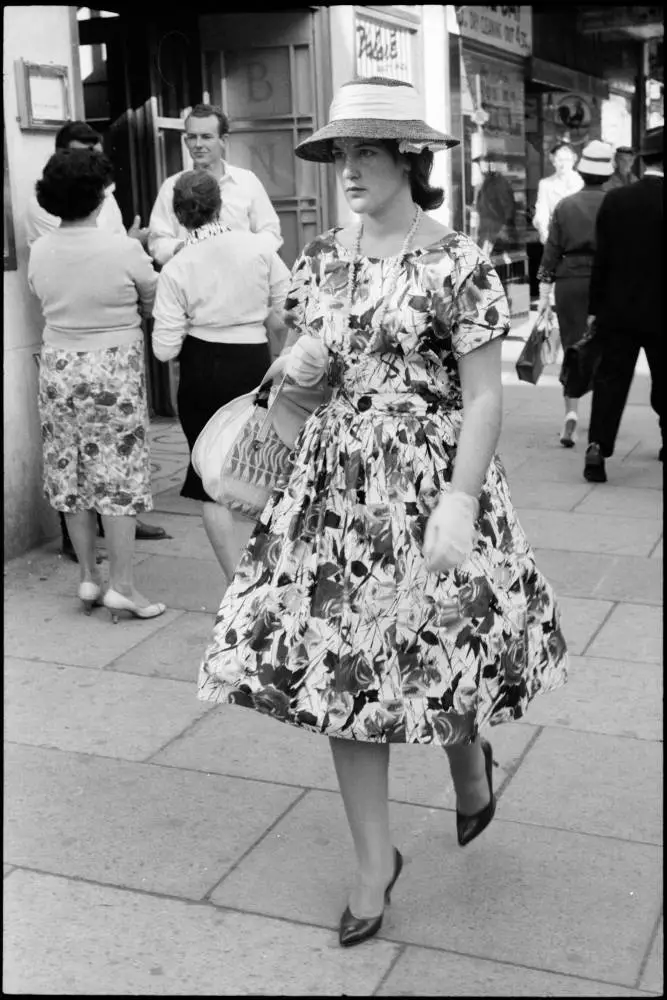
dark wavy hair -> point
(77, 132)
(196, 199)
(421, 165)
(73, 182)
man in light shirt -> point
(79, 135)
(564, 181)
(622, 176)
(245, 203)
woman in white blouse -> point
(213, 303)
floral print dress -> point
(332, 621)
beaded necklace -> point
(394, 272)
(207, 230)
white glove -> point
(450, 532)
(307, 361)
(546, 293)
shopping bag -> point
(551, 342)
(247, 444)
(580, 364)
(537, 349)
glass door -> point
(261, 72)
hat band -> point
(373, 100)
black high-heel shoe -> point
(469, 827)
(354, 930)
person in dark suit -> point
(625, 299)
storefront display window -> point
(492, 92)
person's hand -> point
(450, 532)
(135, 232)
(307, 361)
(545, 296)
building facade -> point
(133, 74)
(508, 80)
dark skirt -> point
(572, 308)
(210, 376)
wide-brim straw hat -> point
(375, 108)
(597, 159)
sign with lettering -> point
(506, 28)
(383, 49)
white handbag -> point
(247, 444)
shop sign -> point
(506, 28)
(383, 49)
(573, 115)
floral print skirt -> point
(333, 622)
(94, 418)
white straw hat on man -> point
(375, 108)
(597, 158)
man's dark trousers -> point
(620, 350)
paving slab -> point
(552, 899)
(632, 632)
(242, 743)
(185, 584)
(563, 466)
(623, 502)
(88, 711)
(636, 472)
(526, 493)
(51, 626)
(653, 976)
(580, 620)
(170, 501)
(164, 465)
(99, 941)
(590, 783)
(437, 974)
(631, 579)
(612, 697)
(575, 532)
(175, 652)
(188, 539)
(133, 825)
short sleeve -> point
(279, 281)
(297, 296)
(480, 310)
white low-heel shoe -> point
(89, 595)
(116, 602)
(568, 437)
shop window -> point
(494, 151)
(616, 124)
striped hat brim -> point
(319, 146)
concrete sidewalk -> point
(155, 845)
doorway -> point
(262, 72)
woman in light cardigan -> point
(215, 300)
(93, 287)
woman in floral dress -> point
(388, 593)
